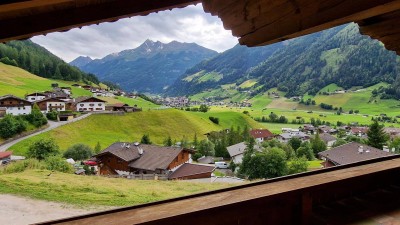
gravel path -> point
(20, 211)
(52, 125)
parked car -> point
(221, 165)
(5, 162)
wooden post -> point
(306, 208)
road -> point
(52, 125)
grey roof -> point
(294, 134)
(153, 157)
(237, 149)
(327, 137)
(349, 153)
(206, 160)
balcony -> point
(337, 195)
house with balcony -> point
(51, 104)
(15, 106)
(88, 104)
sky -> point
(190, 24)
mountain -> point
(150, 67)
(340, 55)
(81, 61)
(39, 61)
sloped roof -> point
(5, 154)
(155, 157)
(261, 133)
(189, 169)
(349, 153)
(14, 97)
(86, 98)
(120, 150)
(50, 99)
(237, 149)
(327, 137)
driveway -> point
(52, 125)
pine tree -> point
(376, 135)
(97, 148)
(195, 141)
(168, 141)
(145, 139)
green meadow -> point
(85, 191)
(159, 124)
(16, 81)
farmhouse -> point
(35, 96)
(134, 158)
(350, 153)
(261, 134)
(237, 151)
(88, 104)
(15, 106)
(285, 137)
(51, 104)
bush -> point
(57, 163)
(53, 115)
(42, 149)
(197, 156)
(36, 118)
(21, 166)
(297, 165)
(11, 125)
(214, 119)
(78, 152)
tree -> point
(396, 145)
(57, 163)
(97, 148)
(376, 135)
(203, 108)
(78, 152)
(11, 125)
(206, 148)
(267, 164)
(36, 117)
(295, 143)
(168, 141)
(145, 139)
(297, 165)
(305, 150)
(42, 149)
(195, 141)
(339, 142)
(317, 144)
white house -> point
(89, 104)
(35, 97)
(15, 106)
(237, 151)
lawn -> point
(16, 81)
(159, 124)
(141, 103)
(93, 190)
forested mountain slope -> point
(303, 65)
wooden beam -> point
(26, 19)
(263, 22)
(290, 196)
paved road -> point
(52, 125)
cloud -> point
(190, 24)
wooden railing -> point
(285, 200)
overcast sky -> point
(190, 24)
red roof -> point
(90, 163)
(261, 133)
(5, 154)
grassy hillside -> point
(141, 103)
(86, 191)
(16, 81)
(108, 129)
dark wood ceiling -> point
(24, 19)
(261, 22)
(255, 22)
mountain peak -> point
(81, 61)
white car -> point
(221, 165)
